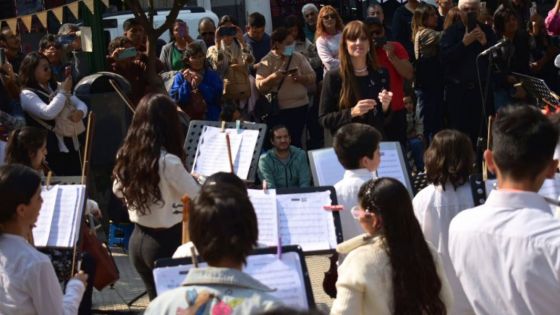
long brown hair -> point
(328, 9)
(416, 283)
(349, 93)
(155, 127)
(421, 14)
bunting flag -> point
(12, 24)
(58, 13)
(74, 8)
(89, 4)
(42, 16)
(27, 20)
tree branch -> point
(139, 14)
(170, 19)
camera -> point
(227, 31)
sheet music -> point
(60, 216)
(168, 278)
(325, 164)
(285, 275)
(244, 156)
(42, 227)
(212, 153)
(302, 221)
(391, 166)
(267, 215)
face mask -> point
(289, 50)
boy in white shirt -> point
(506, 252)
(357, 149)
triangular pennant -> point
(42, 16)
(12, 24)
(89, 4)
(74, 8)
(106, 3)
(27, 20)
(58, 13)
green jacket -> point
(295, 173)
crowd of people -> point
(428, 79)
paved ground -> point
(114, 300)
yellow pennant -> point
(89, 4)
(59, 13)
(12, 24)
(74, 8)
(27, 20)
(42, 16)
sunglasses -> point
(329, 16)
(207, 34)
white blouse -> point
(174, 182)
(28, 283)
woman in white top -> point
(150, 176)
(449, 161)
(391, 269)
(42, 101)
(27, 278)
(328, 35)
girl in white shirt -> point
(27, 279)
(449, 162)
(150, 176)
(391, 269)
(328, 35)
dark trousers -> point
(395, 127)
(88, 266)
(464, 109)
(294, 119)
(429, 102)
(147, 245)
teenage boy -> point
(506, 252)
(284, 165)
(257, 38)
(223, 228)
(357, 149)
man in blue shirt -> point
(257, 38)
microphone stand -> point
(481, 140)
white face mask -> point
(289, 50)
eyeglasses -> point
(469, 9)
(358, 213)
(329, 16)
(310, 14)
(207, 34)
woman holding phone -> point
(357, 91)
(287, 73)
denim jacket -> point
(215, 291)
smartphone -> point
(471, 21)
(2, 56)
(66, 39)
(227, 31)
(127, 53)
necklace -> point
(364, 69)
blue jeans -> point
(429, 104)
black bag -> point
(268, 105)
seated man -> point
(284, 165)
(223, 227)
(506, 252)
(357, 149)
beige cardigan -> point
(365, 284)
(292, 94)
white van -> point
(113, 22)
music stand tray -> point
(537, 88)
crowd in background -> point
(428, 80)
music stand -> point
(538, 89)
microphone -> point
(498, 45)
